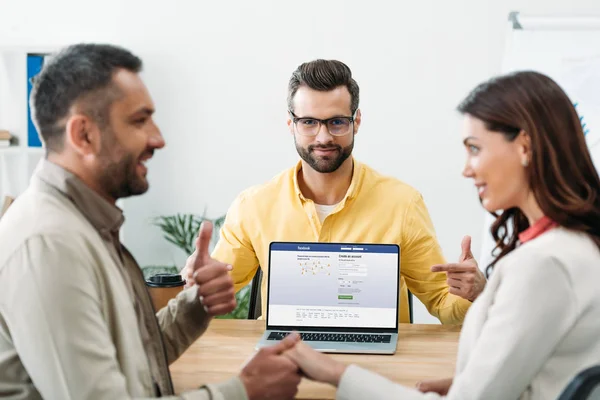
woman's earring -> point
(525, 162)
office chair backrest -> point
(255, 303)
(410, 306)
(585, 386)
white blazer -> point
(534, 327)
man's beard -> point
(326, 164)
(120, 178)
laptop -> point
(340, 297)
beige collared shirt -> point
(76, 319)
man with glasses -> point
(331, 197)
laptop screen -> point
(331, 285)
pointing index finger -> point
(452, 268)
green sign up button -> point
(344, 297)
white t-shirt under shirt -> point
(324, 210)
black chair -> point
(254, 305)
(585, 385)
(410, 306)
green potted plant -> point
(182, 230)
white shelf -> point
(17, 162)
(22, 150)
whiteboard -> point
(568, 51)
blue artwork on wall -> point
(34, 66)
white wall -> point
(218, 72)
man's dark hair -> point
(323, 75)
(80, 73)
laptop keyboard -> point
(335, 337)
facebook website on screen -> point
(333, 285)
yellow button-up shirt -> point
(376, 209)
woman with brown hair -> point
(536, 324)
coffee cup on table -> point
(164, 287)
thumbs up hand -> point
(464, 278)
(215, 286)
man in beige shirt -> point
(76, 320)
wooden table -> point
(424, 352)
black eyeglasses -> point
(337, 126)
